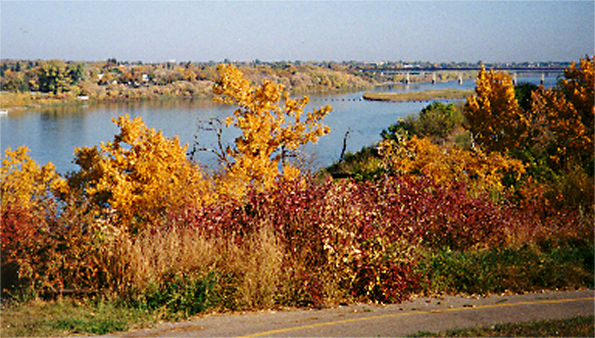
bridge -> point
(464, 69)
(408, 71)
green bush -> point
(518, 270)
(181, 296)
(366, 164)
(437, 121)
(522, 93)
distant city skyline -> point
(152, 31)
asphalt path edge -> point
(433, 314)
(403, 314)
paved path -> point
(423, 314)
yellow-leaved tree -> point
(271, 124)
(493, 113)
(23, 182)
(568, 111)
(139, 175)
(578, 87)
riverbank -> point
(20, 102)
(426, 95)
(14, 102)
(24, 85)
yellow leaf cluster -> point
(272, 124)
(23, 181)
(578, 85)
(563, 116)
(447, 165)
(141, 173)
(570, 138)
(493, 114)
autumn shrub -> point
(348, 239)
(263, 222)
(21, 246)
(139, 175)
(49, 252)
(543, 217)
(26, 223)
(449, 164)
(319, 237)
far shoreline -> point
(37, 101)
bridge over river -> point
(513, 70)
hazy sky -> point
(299, 30)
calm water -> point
(52, 134)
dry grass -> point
(259, 263)
(17, 101)
(154, 254)
(252, 266)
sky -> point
(437, 31)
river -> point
(52, 134)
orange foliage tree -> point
(568, 112)
(493, 114)
(271, 124)
(578, 88)
(553, 136)
(23, 182)
(26, 205)
(139, 175)
(559, 123)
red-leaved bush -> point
(22, 244)
(317, 241)
(363, 234)
(48, 251)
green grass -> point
(581, 326)
(524, 269)
(180, 298)
(70, 316)
(426, 95)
